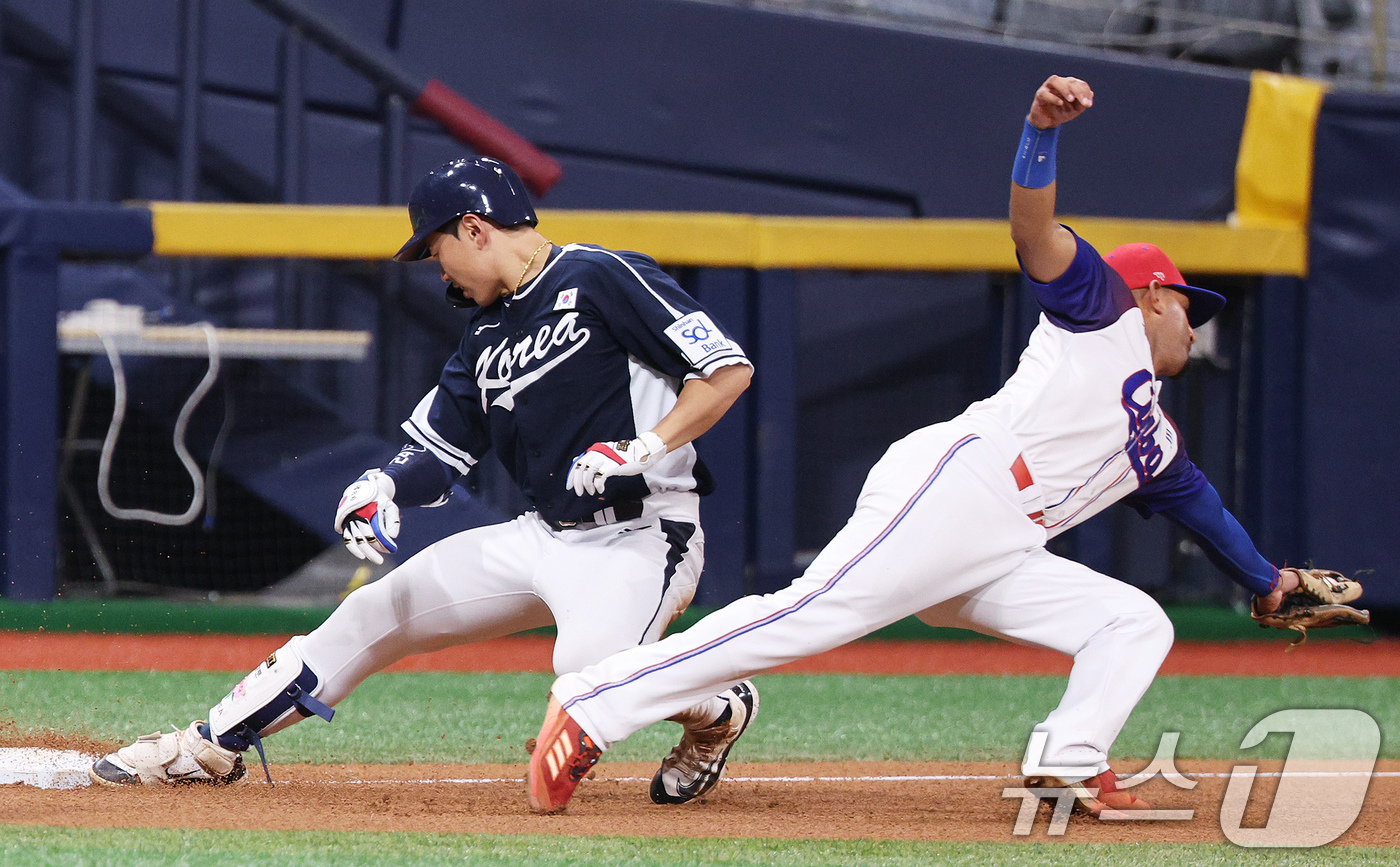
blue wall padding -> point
(13, 195)
(1276, 504)
(97, 229)
(893, 116)
(688, 106)
(1350, 388)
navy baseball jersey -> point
(595, 348)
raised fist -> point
(1059, 100)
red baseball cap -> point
(1139, 264)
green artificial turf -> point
(450, 717)
(34, 846)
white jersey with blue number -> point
(1083, 402)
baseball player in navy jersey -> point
(953, 520)
(589, 372)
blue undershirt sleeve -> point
(1184, 495)
(1088, 296)
(420, 479)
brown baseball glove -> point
(1319, 601)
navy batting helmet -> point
(479, 185)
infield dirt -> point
(837, 800)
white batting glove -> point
(593, 468)
(368, 518)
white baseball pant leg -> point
(1117, 634)
(605, 589)
(939, 516)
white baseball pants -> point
(605, 589)
(940, 530)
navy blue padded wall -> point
(889, 116)
(680, 105)
(1351, 331)
(878, 356)
(241, 48)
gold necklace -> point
(521, 281)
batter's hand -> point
(1059, 100)
(593, 468)
(368, 518)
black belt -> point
(623, 511)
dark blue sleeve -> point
(419, 477)
(450, 420)
(1088, 296)
(656, 321)
(1183, 494)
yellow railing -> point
(724, 240)
(1273, 184)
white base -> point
(45, 768)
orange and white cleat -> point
(563, 754)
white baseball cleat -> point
(173, 757)
(694, 766)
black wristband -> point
(419, 477)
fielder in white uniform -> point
(589, 372)
(952, 522)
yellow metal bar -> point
(298, 231)
(726, 240)
(1207, 248)
(896, 245)
(672, 238)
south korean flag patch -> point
(567, 300)
(699, 339)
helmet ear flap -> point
(457, 298)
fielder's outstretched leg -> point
(917, 538)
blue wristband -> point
(1035, 159)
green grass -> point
(37, 846)
(487, 717)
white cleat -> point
(169, 758)
(695, 765)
